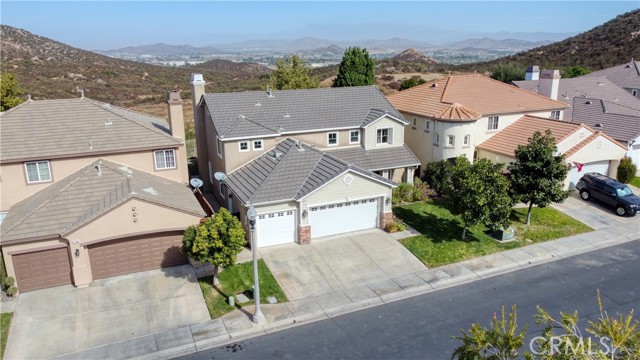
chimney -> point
(549, 83)
(197, 91)
(197, 88)
(533, 73)
(176, 117)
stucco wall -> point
(370, 136)
(599, 149)
(573, 139)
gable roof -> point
(256, 113)
(624, 75)
(595, 87)
(46, 129)
(377, 159)
(618, 121)
(477, 94)
(289, 172)
(91, 191)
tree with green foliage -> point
(508, 72)
(413, 82)
(356, 69)
(437, 175)
(292, 73)
(10, 92)
(574, 71)
(217, 241)
(626, 170)
(538, 174)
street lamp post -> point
(258, 317)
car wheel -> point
(584, 194)
(620, 210)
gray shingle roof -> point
(618, 121)
(581, 87)
(624, 75)
(255, 113)
(377, 159)
(57, 128)
(80, 197)
(289, 173)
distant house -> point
(91, 190)
(313, 162)
(627, 76)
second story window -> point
(555, 114)
(384, 136)
(436, 139)
(493, 123)
(219, 147)
(467, 140)
(451, 141)
(257, 145)
(415, 121)
(354, 136)
(244, 146)
(427, 126)
(38, 171)
(332, 139)
(165, 159)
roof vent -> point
(258, 104)
(126, 169)
(269, 93)
(150, 190)
(598, 125)
(600, 83)
(588, 102)
(628, 66)
(434, 85)
(29, 98)
(99, 167)
(287, 115)
(90, 145)
(241, 117)
(106, 106)
(108, 122)
(299, 145)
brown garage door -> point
(42, 269)
(140, 253)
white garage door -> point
(343, 217)
(601, 167)
(276, 228)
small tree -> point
(10, 92)
(356, 69)
(292, 73)
(508, 72)
(574, 71)
(413, 82)
(217, 241)
(438, 176)
(538, 174)
(626, 170)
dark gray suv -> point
(610, 192)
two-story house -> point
(90, 190)
(627, 76)
(313, 162)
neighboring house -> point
(627, 76)
(450, 117)
(586, 149)
(313, 162)
(91, 190)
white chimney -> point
(176, 116)
(197, 91)
(533, 73)
(197, 88)
(549, 83)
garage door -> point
(276, 228)
(134, 254)
(42, 269)
(343, 217)
(601, 167)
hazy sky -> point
(112, 24)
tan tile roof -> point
(457, 112)
(518, 133)
(588, 140)
(476, 93)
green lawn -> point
(636, 182)
(235, 280)
(5, 324)
(441, 231)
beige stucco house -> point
(90, 190)
(313, 162)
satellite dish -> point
(195, 182)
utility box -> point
(504, 234)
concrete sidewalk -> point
(237, 325)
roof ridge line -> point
(446, 87)
(525, 91)
(274, 168)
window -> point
(219, 147)
(634, 92)
(555, 114)
(38, 171)
(165, 159)
(244, 146)
(436, 139)
(354, 136)
(414, 123)
(451, 141)
(383, 136)
(257, 145)
(210, 171)
(332, 139)
(221, 189)
(493, 123)
(467, 140)
(427, 125)
(2, 216)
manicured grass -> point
(440, 242)
(235, 280)
(5, 324)
(636, 182)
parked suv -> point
(610, 192)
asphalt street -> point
(421, 327)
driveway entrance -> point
(338, 262)
(66, 319)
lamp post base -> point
(259, 318)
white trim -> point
(253, 144)
(337, 138)
(414, 166)
(26, 171)
(164, 154)
(357, 142)
(449, 143)
(219, 147)
(466, 142)
(390, 117)
(342, 173)
(240, 146)
(273, 211)
(389, 136)
(496, 119)
(377, 197)
(221, 187)
(289, 132)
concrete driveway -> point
(66, 319)
(593, 213)
(338, 262)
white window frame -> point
(351, 136)
(219, 147)
(451, 141)
(329, 137)
(467, 140)
(427, 126)
(436, 139)
(221, 186)
(246, 142)
(389, 136)
(493, 123)
(37, 164)
(164, 156)
(555, 115)
(259, 148)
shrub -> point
(626, 170)
(12, 290)
(421, 191)
(409, 83)
(395, 225)
(403, 193)
(8, 281)
(438, 176)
